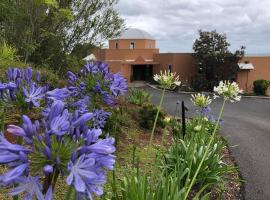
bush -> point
(185, 155)
(198, 82)
(139, 97)
(260, 86)
(8, 53)
(147, 116)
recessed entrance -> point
(142, 72)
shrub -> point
(7, 52)
(147, 116)
(198, 82)
(185, 155)
(139, 97)
(260, 86)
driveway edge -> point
(209, 93)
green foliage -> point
(198, 82)
(215, 61)
(7, 53)
(176, 128)
(200, 124)
(260, 86)
(114, 122)
(185, 155)
(139, 97)
(147, 115)
(135, 186)
(46, 32)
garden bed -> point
(134, 142)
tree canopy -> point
(46, 31)
(214, 60)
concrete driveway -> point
(247, 128)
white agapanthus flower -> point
(201, 100)
(228, 90)
(167, 80)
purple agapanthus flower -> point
(103, 83)
(67, 139)
(19, 83)
(205, 111)
(86, 157)
(34, 94)
(27, 131)
(32, 189)
(100, 118)
(118, 85)
(28, 74)
(58, 94)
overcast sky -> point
(175, 23)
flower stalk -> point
(156, 118)
(206, 151)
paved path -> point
(247, 128)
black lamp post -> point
(184, 109)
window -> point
(132, 45)
(116, 45)
(170, 68)
(150, 45)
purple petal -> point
(14, 173)
(84, 118)
(16, 130)
(49, 194)
(79, 183)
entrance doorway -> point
(142, 72)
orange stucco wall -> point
(122, 58)
(182, 63)
(139, 44)
(245, 78)
(129, 54)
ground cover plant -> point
(69, 149)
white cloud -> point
(174, 23)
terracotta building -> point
(135, 55)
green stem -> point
(206, 152)
(2, 120)
(16, 197)
(69, 192)
(155, 123)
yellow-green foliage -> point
(7, 52)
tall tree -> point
(214, 60)
(46, 31)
